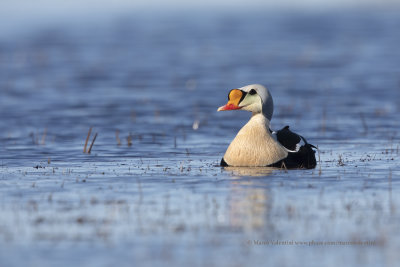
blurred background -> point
(148, 76)
(22, 15)
(100, 59)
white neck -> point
(260, 118)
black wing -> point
(290, 140)
(301, 153)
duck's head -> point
(254, 97)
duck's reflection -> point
(249, 171)
(250, 200)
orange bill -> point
(235, 96)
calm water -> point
(335, 78)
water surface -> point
(161, 197)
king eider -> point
(256, 144)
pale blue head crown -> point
(266, 99)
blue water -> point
(334, 76)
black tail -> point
(306, 156)
(302, 159)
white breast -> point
(254, 145)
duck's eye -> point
(252, 92)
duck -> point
(256, 145)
